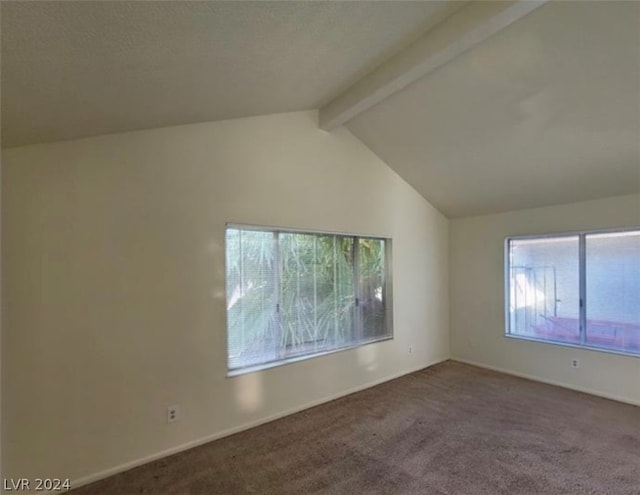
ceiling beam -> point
(463, 30)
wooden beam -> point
(463, 30)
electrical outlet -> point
(575, 363)
(173, 413)
(410, 349)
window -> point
(299, 294)
(579, 289)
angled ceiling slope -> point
(481, 106)
(547, 111)
(77, 68)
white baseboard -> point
(85, 480)
(557, 383)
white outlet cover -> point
(173, 413)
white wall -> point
(477, 298)
(1, 338)
(114, 266)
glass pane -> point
(317, 295)
(339, 301)
(294, 294)
(544, 299)
(372, 288)
(251, 298)
(613, 290)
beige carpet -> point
(449, 429)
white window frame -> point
(582, 288)
(388, 292)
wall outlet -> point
(410, 349)
(173, 413)
(575, 363)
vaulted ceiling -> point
(545, 112)
(481, 106)
(78, 68)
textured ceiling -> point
(73, 69)
(545, 112)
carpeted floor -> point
(449, 429)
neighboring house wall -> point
(477, 298)
(552, 284)
(114, 284)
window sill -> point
(575, 346)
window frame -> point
(582, 287)
(388, 293)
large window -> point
(581, 289)
(297, 294)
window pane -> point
(372, 288)
(339, 312)
(544, 300)
(292, 294)
(613, 290)
(317, 292)
(251, 298)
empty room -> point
(326, 247)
